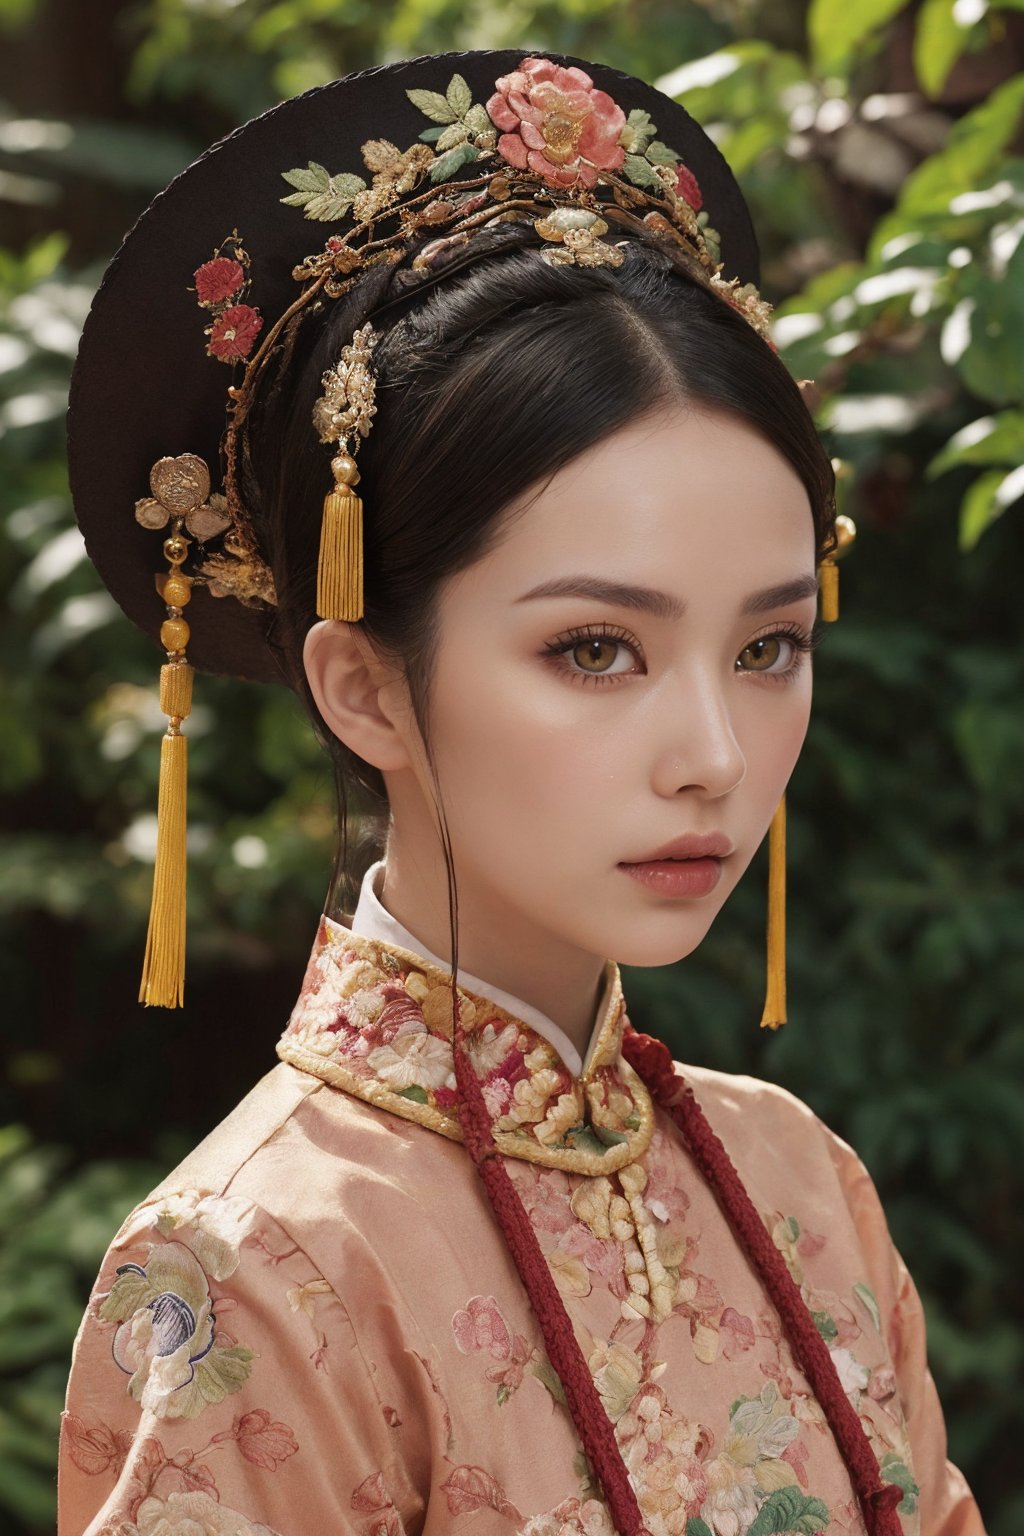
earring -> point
(774, 1014)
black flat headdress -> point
(144, 385)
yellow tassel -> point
(829, 591)
(339, 577)
(775, 1000)
(163, 969)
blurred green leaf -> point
(836, 29)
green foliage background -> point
(879, 144)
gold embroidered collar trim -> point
(376, 1020)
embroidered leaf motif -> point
(414, 1092)
(695, 1525)
(459, 96)
(789, 1510)
(431, 135)
(449, 163)
(640, 173)
(608, 1137)
(130, 1291)
(324, 197)
(471, 1488)
(548, 1377)
(643, 130)
(315, 178)
(660, 154)
(433, 105)
(866, 1296)
(896, 1471)
(381, 155)
(454, 134)
(477, 121)
(826, 1326)
(775, 1474)
(223, 1371)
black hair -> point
(487, 385)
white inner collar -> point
(373, 921)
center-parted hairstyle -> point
(531, 340)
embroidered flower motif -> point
(491, 1044)
(414, 1060)
(96, 1448)
(617, 1373)
(688, 187)
(218, 281)
(573, 1517)
(166, 1342)
(664, 1455)
(480, 1326)
(557, 123)
(234, 332)
(187, 1514)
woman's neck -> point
(500, 947)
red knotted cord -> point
(653, 1062)
(588, 1412)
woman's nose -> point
(699, 749)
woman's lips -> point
(677, 877)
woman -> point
(566, 642)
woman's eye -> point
(592, 654)
(763, 655)
(600, 655)
(777, 655)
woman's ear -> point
(362, 699)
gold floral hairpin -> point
(343, 414)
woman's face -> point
(625, 668)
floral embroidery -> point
(480, 1328)
(96, 1449)
(186, 1514)
(555, 122)
(376, 1020)
(220, 284)
(167, 1342)
(543, 122)
(372, 1498)
(572, 1518)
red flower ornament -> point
(218, 281)
(555, 122)
(688, 187)
(233, 333)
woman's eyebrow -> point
(662, 604)
(779, 596)
(645, 599)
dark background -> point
(878, 145)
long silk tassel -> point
(339, 577)
(774, 1014)
(163, 969)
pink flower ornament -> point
(555, 123)
(232, 334)
(218, 281)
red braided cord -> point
(588, 1413)
(652, 1060)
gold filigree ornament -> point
(576, 235)
(343, 414)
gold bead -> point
(344, 469)
(846, 532)
(174, 634)
(177, 590)
(176, 549)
